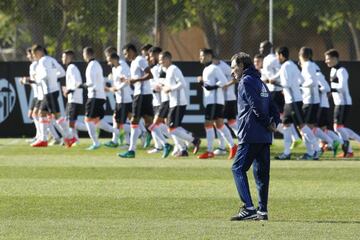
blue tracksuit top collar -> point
(251, 71)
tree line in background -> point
(228, 25)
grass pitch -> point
(58, 193)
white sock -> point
(80, 126)
(182, 135)
(225, 132)
(134, 135)
(308, 134)
(178, 142)
(164, 130)
(210, 135)
(37, 127)
(309, 147)
(142, 126)
(221, 140)
(44, 126)
(334, 136)
(319, 133)
(63, 123)
(287, 140)
(107, 127)
(74, 132)
(53, 131)
(92, 132)
(350, 149)
(115, 138)
(352, 135)
(187, 132)
(57, 127)
(342, 133)
(127, 130)
(294, 134)
(310, 139)
(157, 134)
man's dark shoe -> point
(244, 214)
(262, 216)
(283, 156)
(183, 153)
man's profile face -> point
(37, 55)
(236, 69)
(258, 63)
(330, 61)
(280, 58)
(153, 58)
(204, 58)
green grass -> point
(59, 193)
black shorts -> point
(73, 110)
(214, 111)
(310, 112)
(95, 108)
(230, 109)
(323, 118)
(142, 105)
(176, 115)
(156, 110)
(38, 104)
(341, 113)
(293, 113)
(278, 98)
(33, 104)
(122, 111)
(164, 110)
(50, 103)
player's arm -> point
(308, 76)
(323, 85)
(343, 76)
(60, 71)
(220, 80)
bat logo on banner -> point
(7, 99)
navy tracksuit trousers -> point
(257, 154)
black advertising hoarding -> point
(15, 98)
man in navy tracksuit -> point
(257, 120)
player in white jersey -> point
(123, 96)
(331, 140)
(174, 85)
(270, 75)
(142, 104)
(230, 108)
(270, 71)
(213, 80)
(94, 108)
(339, 78)
(160, 104)
(311, 98)
(47, 72)
(124, 128)
(74, 96)
(35, 103)
(290, 81)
